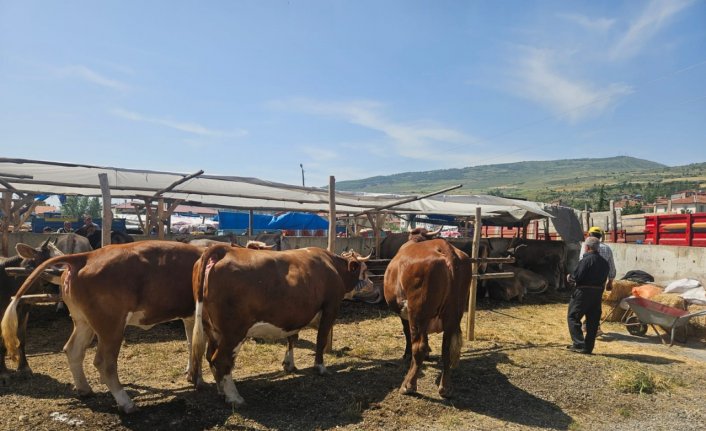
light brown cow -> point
(427, 284)
(243, 293)
(139, 284)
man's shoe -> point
(575, 348)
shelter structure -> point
(21, 180)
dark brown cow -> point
(393, 241)
(243, 293)
(427, 284)
(139, 284)
(27, 257)
(547, 258)
(523, 282)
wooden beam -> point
(332, 214)
(407, 200)
(176, 183)
(471, 322)
(160, 218)
(6, 214)
(107, 213)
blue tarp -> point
(289, 221)
(298, 221)
(231, 220)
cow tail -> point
(200, 282)
(10, 323)
(455, 345)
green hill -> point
(575, 181)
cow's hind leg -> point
(106, 362)
(322, 337)
(23, 365)
(193, 375)
(450, 353)
(288, 362)
(408, 341)
(420, 349)
(75, 350)
(222, 366)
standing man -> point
(66, 229)
(590, 277)
(605, 252)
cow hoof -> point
(322, 370)
(408, 390)
(236, 402)
(84, 393)
(4, 379)
(25, 371)
(446, 392)
(288, 368)
(129, 409)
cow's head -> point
(420, 234)
(34, 256)
(357, 266)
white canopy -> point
(43, 177)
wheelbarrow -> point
(653, 313)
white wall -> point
(663, 262)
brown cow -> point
(139, 284)
(243, 293)
(427, 284)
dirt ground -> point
(516, 375)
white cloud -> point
(194, 128)
(538, 79)
(83, 72)
(418, 140)
(650, 21)
(598, 24)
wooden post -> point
(689, 232)
(588, 219)
(160, 218)
(613, 223)
(332, 214)
(107, 213)
(471, 322)
(669, 206)
(331, 239)
(251, 223)
(5, 222)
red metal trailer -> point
(676, 229)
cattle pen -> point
(514, 374)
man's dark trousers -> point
(585, 301)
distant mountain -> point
(522, 179)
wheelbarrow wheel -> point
(635, 327)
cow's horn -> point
(433, 233)
(366, 258)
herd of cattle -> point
(225, 293)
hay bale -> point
(621, 289)
(611, 313)
(697, 323)
(670, 299)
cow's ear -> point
(25, 251)
(353, 265)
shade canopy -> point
(44, 177)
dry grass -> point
(515, 375)
(637, 379)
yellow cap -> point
(595, 229)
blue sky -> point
(350, 88)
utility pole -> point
(302, 166)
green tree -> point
(77, 206)
(602, 204)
